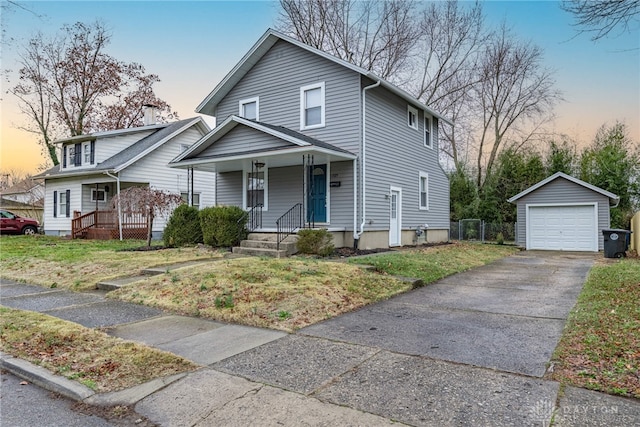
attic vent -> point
(149, 114)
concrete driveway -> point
(508, 315)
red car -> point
(11, 223)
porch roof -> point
(295, 145)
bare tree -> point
(515, 89)
(376, 35)
(446, 68)
(601, 17)
(68, 85)
(492, 86)
(148, 201)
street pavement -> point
(471, 349)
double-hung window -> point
(412, 117)
(250, 108)
(424, 191)
(195, 202)
(312, 108)
(65, 202)
(428, 141)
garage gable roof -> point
(613, 199)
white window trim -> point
(185, 197)
(303, 89)
(242, 102)
(94, 195)
(412, 110)
(265, 207)
(428, 124)
(62, 206)
(426, 176)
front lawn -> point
(600, 346)
(91, 357)
(289, 294)
(437, 262)
(79, 264)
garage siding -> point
(562, 192)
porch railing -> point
(252, 220)
(134, 224)
(289, 222)
(94, 219)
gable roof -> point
(262, 46)
(298, 143)
(135, 151)
(25, 186)
(612, 197)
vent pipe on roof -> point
(149, 114)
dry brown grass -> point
(90, 357)
(80, 264)
(283, 294)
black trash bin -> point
(616, 242)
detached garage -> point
(563, 213)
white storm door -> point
(395, 217)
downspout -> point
(363, 152)
(117, 178)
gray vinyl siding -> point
(395, 156)
(341, 198)
(229, 188)
(285, 189)
(277, 82)
(562, 192)
(241, 139)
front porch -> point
(103, 225)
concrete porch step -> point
(264, 244)
(271, 237)
(260, 252)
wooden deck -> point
(103, 225)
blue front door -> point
(317, 194)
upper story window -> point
(428, 142)
(312, 106)
(412, 117)
(249, 108)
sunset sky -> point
(193, 45)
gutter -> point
(117, 178)
(363, 197)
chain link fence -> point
(481, 231)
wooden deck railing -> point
(134, 225)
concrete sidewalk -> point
(468, 350)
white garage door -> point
(562, 228)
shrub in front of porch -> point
(315, 242)
(183, 227)
(223, 226)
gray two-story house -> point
(307, 138)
